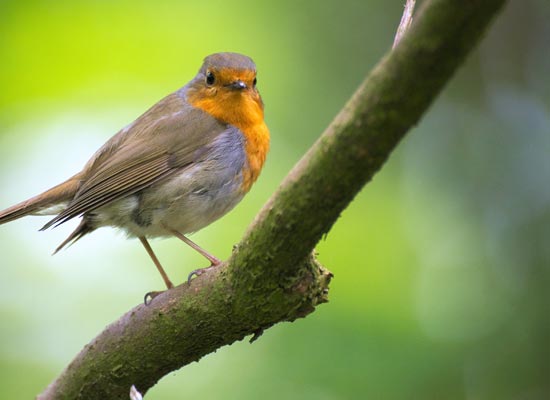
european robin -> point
(181, 165)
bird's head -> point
(225, 87)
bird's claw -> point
(198, 272)
(149, 296)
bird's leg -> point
(151, 295)
(214, 262)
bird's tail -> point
(57, 195)
(82, 229)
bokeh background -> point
(442, 263)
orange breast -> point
(244, 111)
(257, 146)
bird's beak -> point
(237, 85)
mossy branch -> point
(272, 275)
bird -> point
(181, 165)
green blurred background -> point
(442, 263)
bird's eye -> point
(255, 81)
(210, 78)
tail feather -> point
(82, 229)
(61, 193)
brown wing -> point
(167, 138)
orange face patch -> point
(227, 76)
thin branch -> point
(406, 21)
(272, 276)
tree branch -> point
(272, 275)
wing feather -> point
(150, 150)
(124, 183)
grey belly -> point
(185, 203)
(188, 200)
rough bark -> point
(272, 275)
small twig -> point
(135, 394)
(406, 20)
